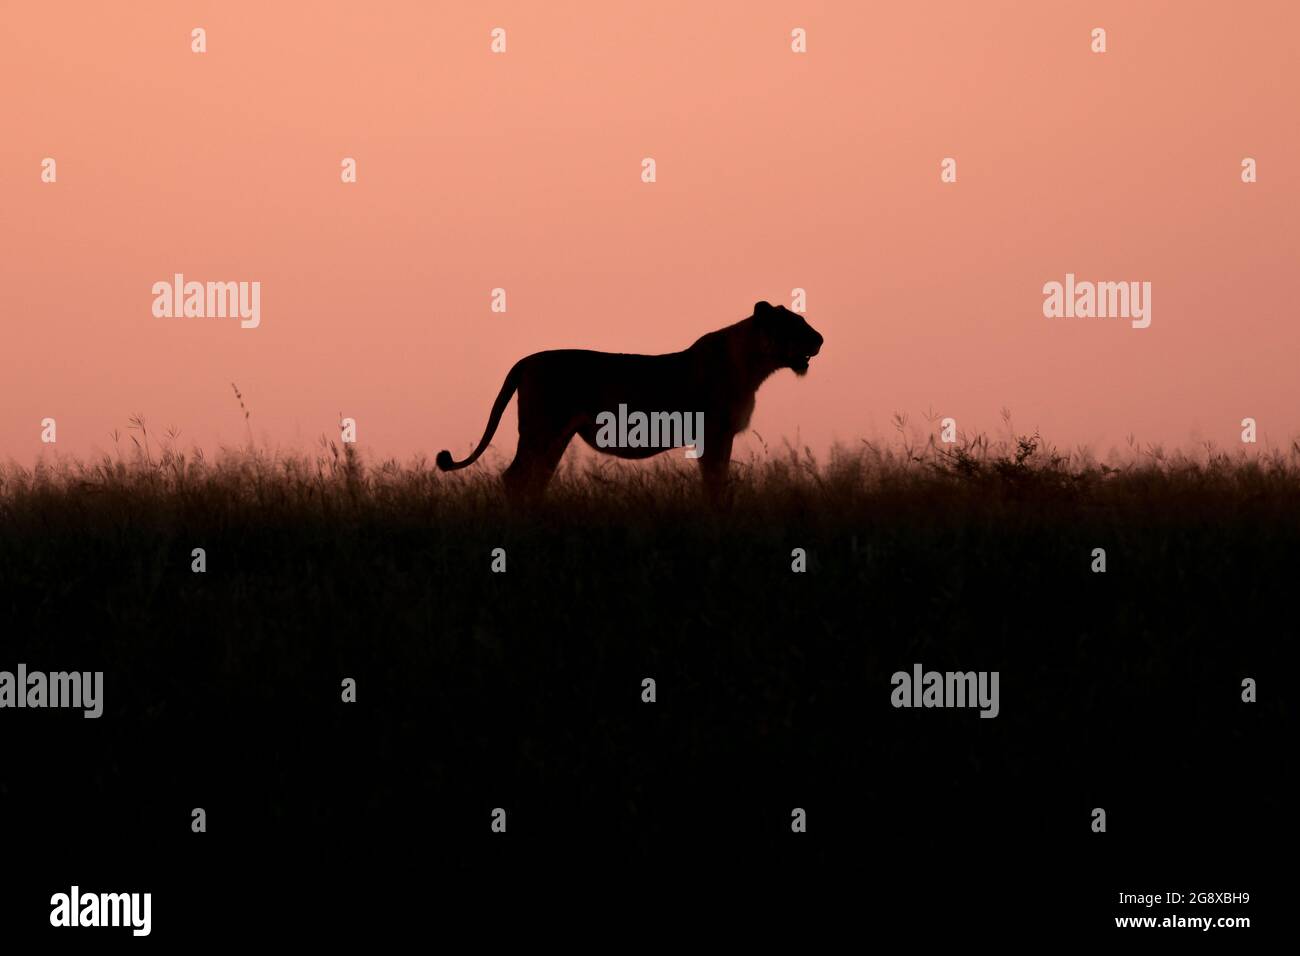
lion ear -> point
(762, 308)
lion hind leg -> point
(535, 462)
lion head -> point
(785, 338)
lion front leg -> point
(715, 468)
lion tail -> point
(444, 459)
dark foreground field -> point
(476, 690)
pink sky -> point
(775, 170)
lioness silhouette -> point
(562, 392)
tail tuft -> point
(508, 388)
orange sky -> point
(775, 170)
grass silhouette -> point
(1020, 471)
(522, 690)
